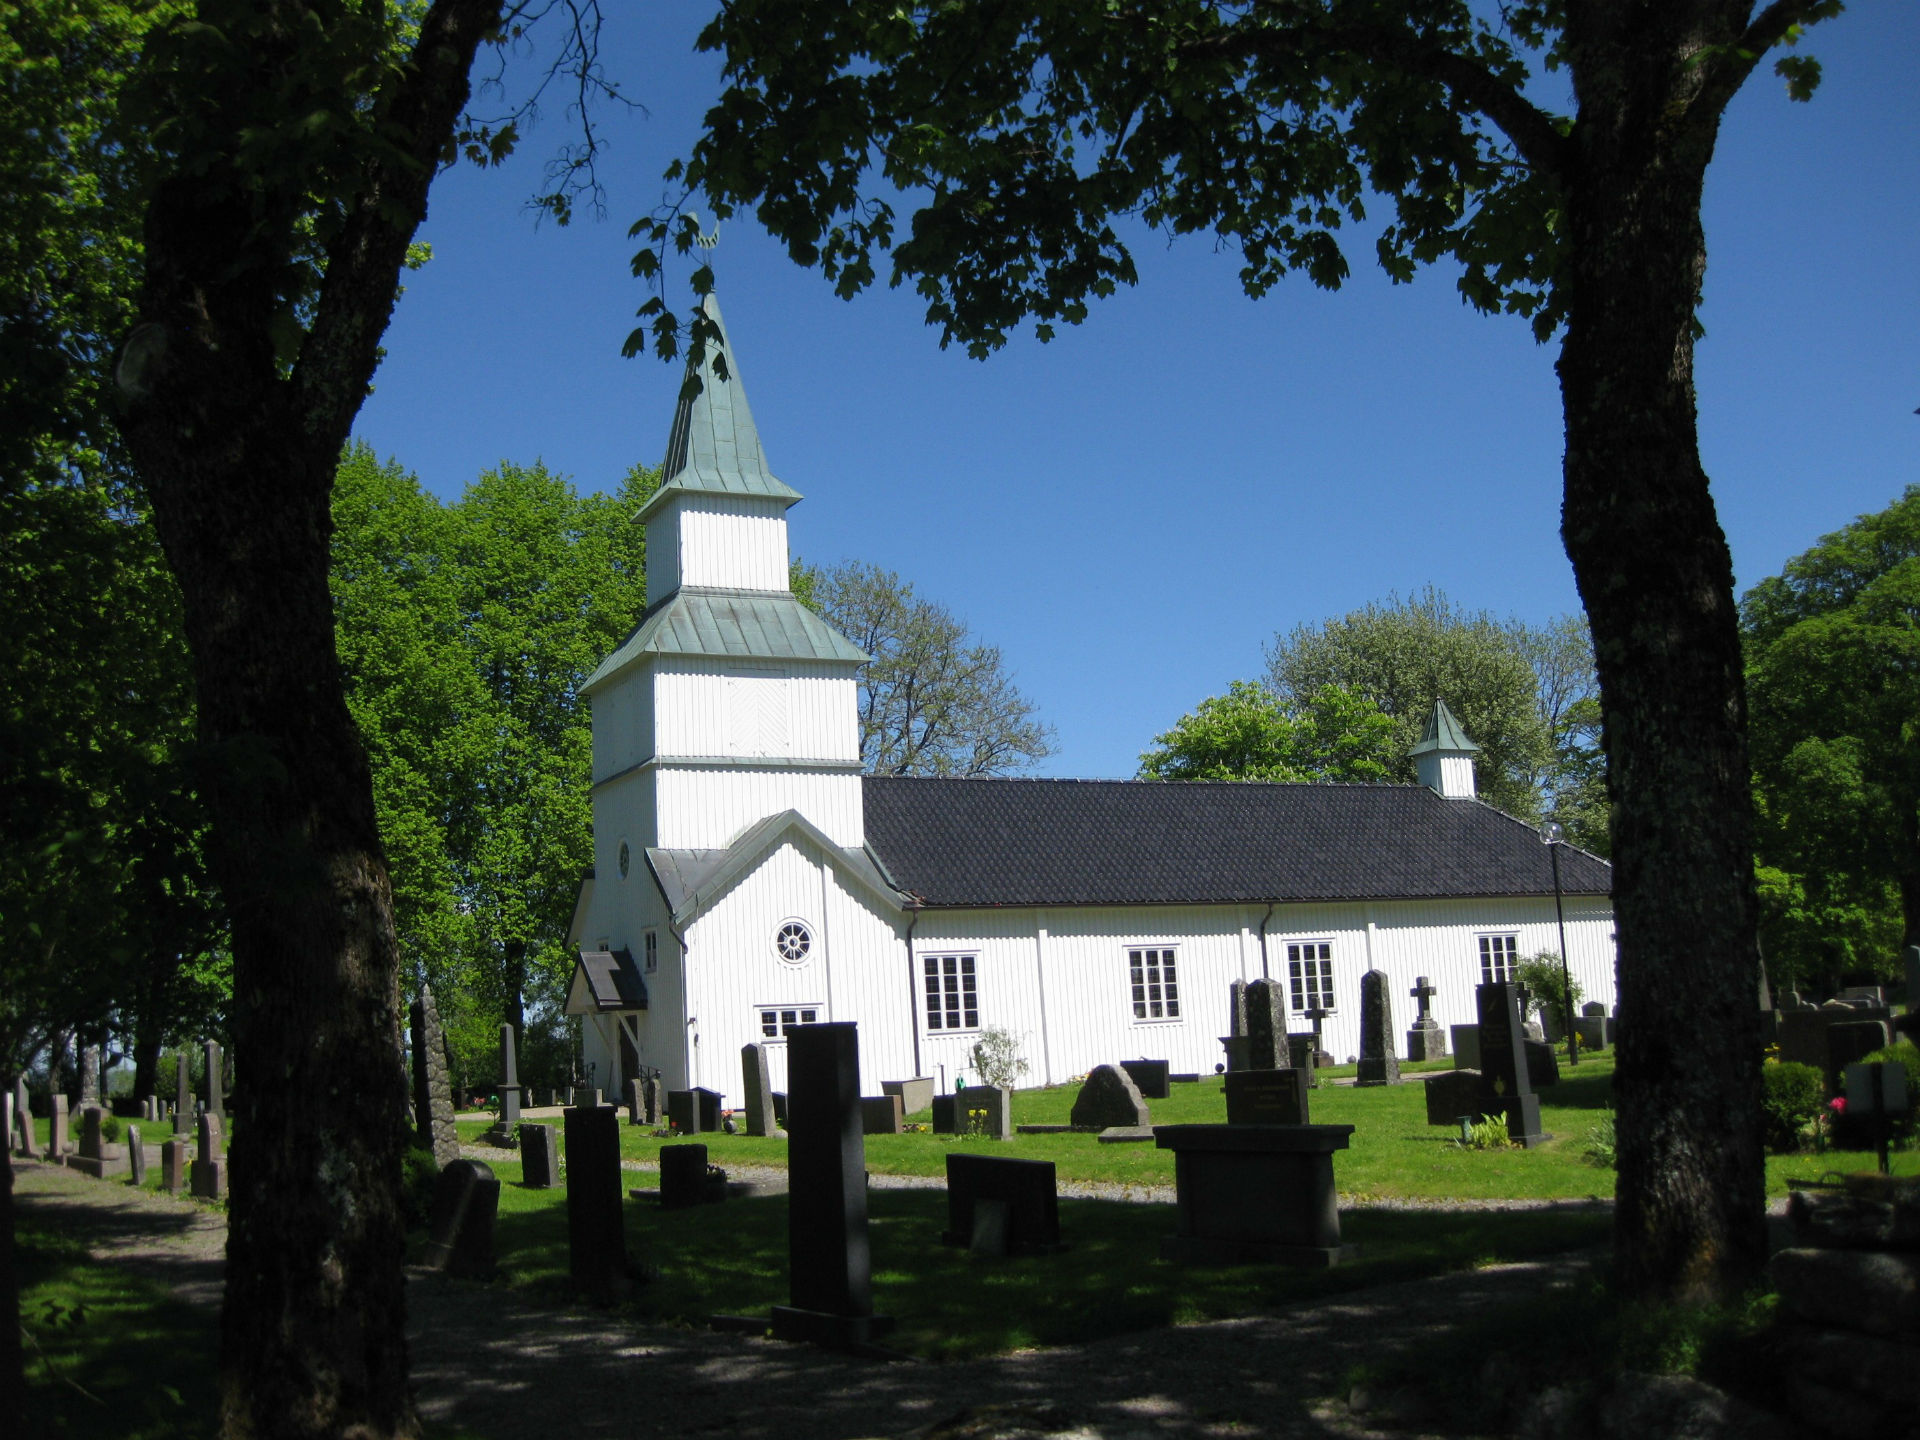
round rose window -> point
(792, 942)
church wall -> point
(622, 811)
(729, 543)
(706, 807)
(765, 710)
(622, 723)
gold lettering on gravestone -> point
(1499, 1086)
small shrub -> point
(110, 1128)
(418, 1172)
(1792, 1101)
(996, 1055)
(1489, 1133)
(1600, 1147)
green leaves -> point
(1252, 734)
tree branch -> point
(1732, 64)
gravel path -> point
(507, 1371)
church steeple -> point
(1444, 757)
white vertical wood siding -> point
(724, 542)
(762, 710)
(706, 807)
(622, 723)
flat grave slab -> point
(1255, 1193)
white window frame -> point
(1153, 984)
(782, 1015)
(1305, 988)
(1499, 957)
(950, 992)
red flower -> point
(1838, 1104)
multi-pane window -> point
(1156, 989)
(953, 1003)
(650, 943)
(1498, 956)
(1310, 973)
(777, 1020)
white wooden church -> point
(748, 878)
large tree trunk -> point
(1657, 580)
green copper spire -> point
(1443, 734)
(713, 448)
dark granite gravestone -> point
(95, 1156)
(1848, 1042)
(209, 1173)
(1152, 1078)
(596, 1242)
(1466, 1047)
(1255, 1193)
(136, 1156)
(1266, 1025)
(683, 1112)
(1109, 1098)
(915, 1095)
(505, 1132)
(216, 1080)
(946, 1114)
(881, 1115)
(1304, 1051)
(539, 1156)
(466, 1199)
(686, 1178)
(1426, 1040)
(829, 1261)
(183, 1096)
(1543, 1064)
(1503, 1063)
(1454, 1093)
(1267, 1097)
(1027, 1190)
(757, 1086)
(173, 1165)
(58, 1143)
(89, 1076)
(986, 1110)
(1379, 1061)
(432, 1089)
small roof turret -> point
(1444, 757)
(1443, 735)
(714, 447)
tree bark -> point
(1657, 580)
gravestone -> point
(1110, 1098)
(1152, 1078)
(10, 1124)
(466, 1200)
(988, 1111)
(1503, 1063)
(136, 1156)
(216, 1081)
(183, 1096)
(1304, 1052)
(829, 1259)
(539, 1156)
(1379, 1061)
(915, 1095)
(693, 1112)
(57, 1142)
(1848, 1042)
(1235, 1040)
(1426, 1040)
(1266, 1025)
(758, 1088)
(1027, 1193)
(881, 1115)
(1454, 1093)
(1543, 1064)
(95, 1156)
(20, 1133)
(505, 1131)
(1267, 1097)
(1255, 1193)
(89, 1076)
(685, 1178)
(1466, 1047)
(596, 1242)
(636, 1107)
(432, 1090)
(209, 1174)
(173, 1165)
(946, 1114)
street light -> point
(1551, 835)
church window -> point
(1156, 989)
(952, 1001)
(777, 1020)
(1499, 954)
(1310, 975)
(793, 941)
(650, 943)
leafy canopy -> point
(1250, 733)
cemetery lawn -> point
(1394, 1153)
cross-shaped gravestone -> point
(1423, 993)
(1425, 1040)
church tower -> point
(1444, 757)
(730, 701)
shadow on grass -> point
(732, 1259)
(1580, 1088)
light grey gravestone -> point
(757, 1086)
(539, 1156)
(57, 1145)
(183, 1098)
(506, 1129)
(636, 1104)
(1108, 1099)
(1266, 1026)
(89, 1076)
(209, 1174)
(136, 1156)
(216, 1081)
(1426, 1040)
(432, 1089)
(1379, 1061)
(96, 1157)
(21, 1131)
(653, 1093)
(10, 1114)
(992, 1106)
(915, 1095)
(1304, 1050)
(1235, 1040)
(173, 1165)
(466, 1199)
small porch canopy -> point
(606, 982)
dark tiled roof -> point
(613, 980)
(1143, 842)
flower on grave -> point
(1838, 1104)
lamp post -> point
(1550, 836)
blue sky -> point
(1134, 510)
